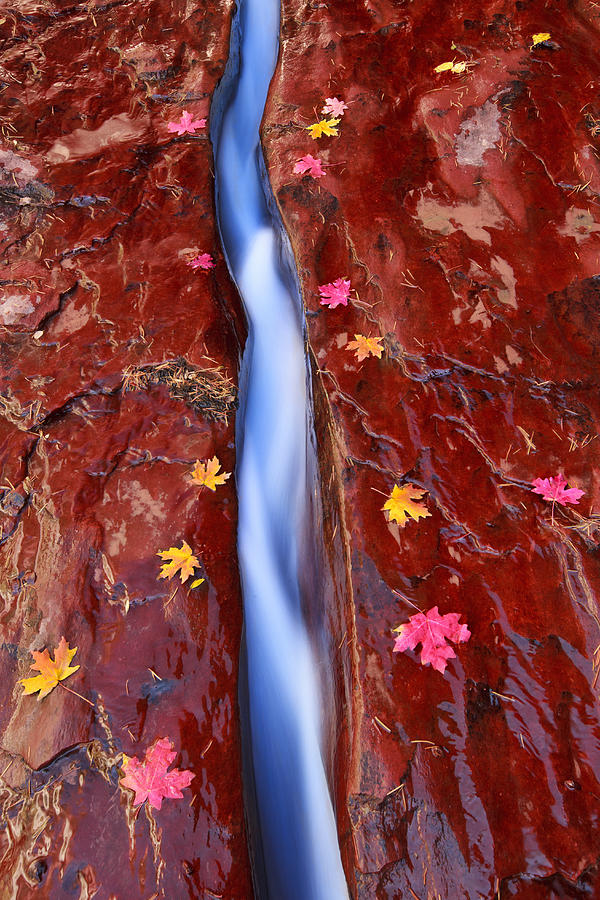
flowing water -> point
(292, 823)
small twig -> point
(171, 597)
(504, 697)
(85, 699)
(382, 724)
(393, 790)
(406, 600)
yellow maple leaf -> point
(539, 38)
(205, 474)
(325, 126)
(401, 504)
(365, 346)
(456, 67)
(182, 561)
(52, 670)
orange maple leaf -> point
(365, 346)
(52, 670)
(205, 474)
(182, 561)
(401, 504)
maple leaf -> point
(455, 67)
(182, 560)
(205, 474)
(202, 261)
(365, 346)
(309, 165)
(325, 126)
(150, 779)
(187, 124)
(334, 107)
(335, 293)
(52, 670)
(539, 38)
(401, 504)
(432, 631)
(553, 488)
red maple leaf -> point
(432, 631)
(150, 779)
(553, 488)
(187, 124)
(309, 165)
(335, 293)
(202, 261)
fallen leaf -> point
(455, 67)
(432, 631)
(334, 107)
(197, 583)
(401, 504)
(182, 561)
(308, 165)
(186, 125)
(150, 779)
(539, 38)
(202, 261)
(553, 488)
(325, 126)
(205, 474)
(335, 293)
(52, 670)
(365, 346)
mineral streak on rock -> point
(464, 210)
(100, 210)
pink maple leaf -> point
(187, 124)
(553, 488)
(334, 107)
(335, 293)
(202, 261)
(432, 630)
(308, 164)
(150, 779)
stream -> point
(293, 838)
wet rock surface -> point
(100, 210)
(463, 207)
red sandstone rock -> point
(463, 208)
(103, 212)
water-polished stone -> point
(463, 209)
(101, 208)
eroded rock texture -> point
(464, 209)
(100, 209)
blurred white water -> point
(297, 838)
